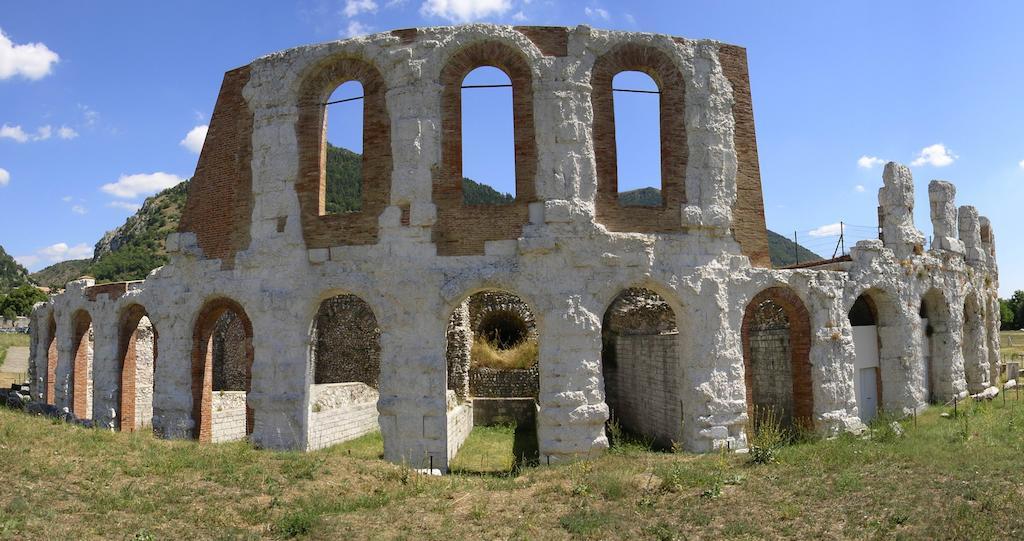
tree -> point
(20, 301)
(1006, 315)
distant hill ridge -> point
(132, 250)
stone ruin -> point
(278, 322)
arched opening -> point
(137, 355)
(345, 360)
(488, 138)
(641, 370)
(493, 383)
(867, 381)
(51, 360)
(344, 169)
(637, 117)
(776, 360)
(222, 357)
(975, 351)
(81, 365)
(936, 346)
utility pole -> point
(842, 236)
(796, 249)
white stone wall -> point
(565, 266)
(340, 412)
(460, 424)
(144, 374)
(227, 416)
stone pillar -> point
(970, 235)
(896, 211)
(832, 358)
(279, 384)
(976, 363)
(942, 196)
(106, 373)
(413, 406)
(572, 410)
(992, 324)
(457, 351)
(172, 375)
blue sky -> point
(102, 103)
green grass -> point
(1011, 344)
(11, 339)
(947, 478)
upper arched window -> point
(344, 170)
(635, 88)
(637, 139)
(344, 138)
(488, 138)
(463, 225)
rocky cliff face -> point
(148, 227)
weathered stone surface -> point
(564, 264)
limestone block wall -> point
(340, 412)
(497, 383)
(228, 416)
(641, 388)
(460, 424)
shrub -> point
(768, 437)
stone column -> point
(896, 211)
(457, 351)
(942, 196)
(970, 235)
(572, 411)
(106, 373)
(976, 365)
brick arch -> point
(798, 324)
(128, 335)
(81, 367)
(353, 228)
(462, 229)
(51, 359)
(202, 363)
(659, 66)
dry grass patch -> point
(946, 479)
(487, 354)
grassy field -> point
(11, 339)
(944, 479)
(1011, 343)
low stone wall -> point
(495, 383)
(504, 411)
(341, 412)
(227, 416)
(460, 424)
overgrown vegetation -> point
(1011, 312)
(948, 478)
(12, 274)
(20, 301)
(486, 353)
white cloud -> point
(194, 139)
(830, 230)
(79, 209)
(597, 13)
(1021, 164)
(355, 28)
(125, 205)
(630, 18)
(859, 188)
(66, 199)
(5, 177)
(55, 253)
(355, 7)
(519, 16)
(88, 114)
(43, 133)
(937, 155)
(867, 162)
(132, 186)
(13, 132)
(464, 11)
(31, 60)
(65, 132)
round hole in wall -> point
(503, 328)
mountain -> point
(55, 276)
(782, 252)
(12, 274)
(132, 250)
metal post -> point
(842, 236)
(954, 406)
(431, 463)
(796, 249)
